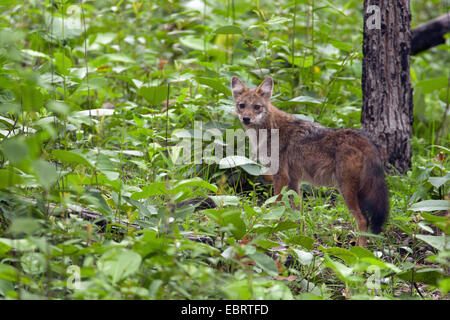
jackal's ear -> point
(265, 88)
(237, 87)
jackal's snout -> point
(246, 120)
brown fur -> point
(344, 158)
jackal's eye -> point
(242, 106)
(257, 106)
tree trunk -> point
(387, 111)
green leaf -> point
(245, 163)
(118, 57)
(344, 272)
(274, 214)
(306, 99)
(119, 263)
(304, 257)
(431, 205)
(151, 190)
(194, 182)
(342, 45)
(45, 172)
(229, 30)
(234, 219)
(63, 63)
(285, 225)
(24, 225)
(361, 252)
(15, 149)
(424, 275)
(36, 54)
(154, 95)
(215, 84)
(222, 201)
(429, 85)
(229, 218)
(439, 181)
(8, 178)
(8, 272)
(438, 242)
(192, 42)
(305, 241)
(347, 256)
(32, 97)
(265, 262)
(70, 157)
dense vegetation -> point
(94, 96)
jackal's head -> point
(252, 105)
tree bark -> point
(430, 34)
(387, 111)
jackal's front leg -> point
(281, 180)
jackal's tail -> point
(373, 197)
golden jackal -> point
(344, 158)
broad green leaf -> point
(424, 275)
(15, 149)
(94, 112)
(429, 85)
(8, 178)
(306, 99)
(229, 218)
(70, 157)
(229, 30)
(361, 252)
(245, 163)
(105, 38)
(344, 46)
(342, 270)
(285, 225)
(238, 226)
(118, 57)
(347, 256)
(438, 242)
(221, 201)
(274, 213)
(215, 84)
(193, 42)
(305, 241)
(431, 205)
(440, 222)
(151, 190)
(58, 107)
(25, 244)
(154, 95)
(45, 172)
(36, 54)
(194, 182)
(304, 257)
(265, 262)
(63, 63)
(238, 290)
(24, 225)
(8, 272)
(439, 181)
(31, 97)
(4, 248)
(119, 263)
